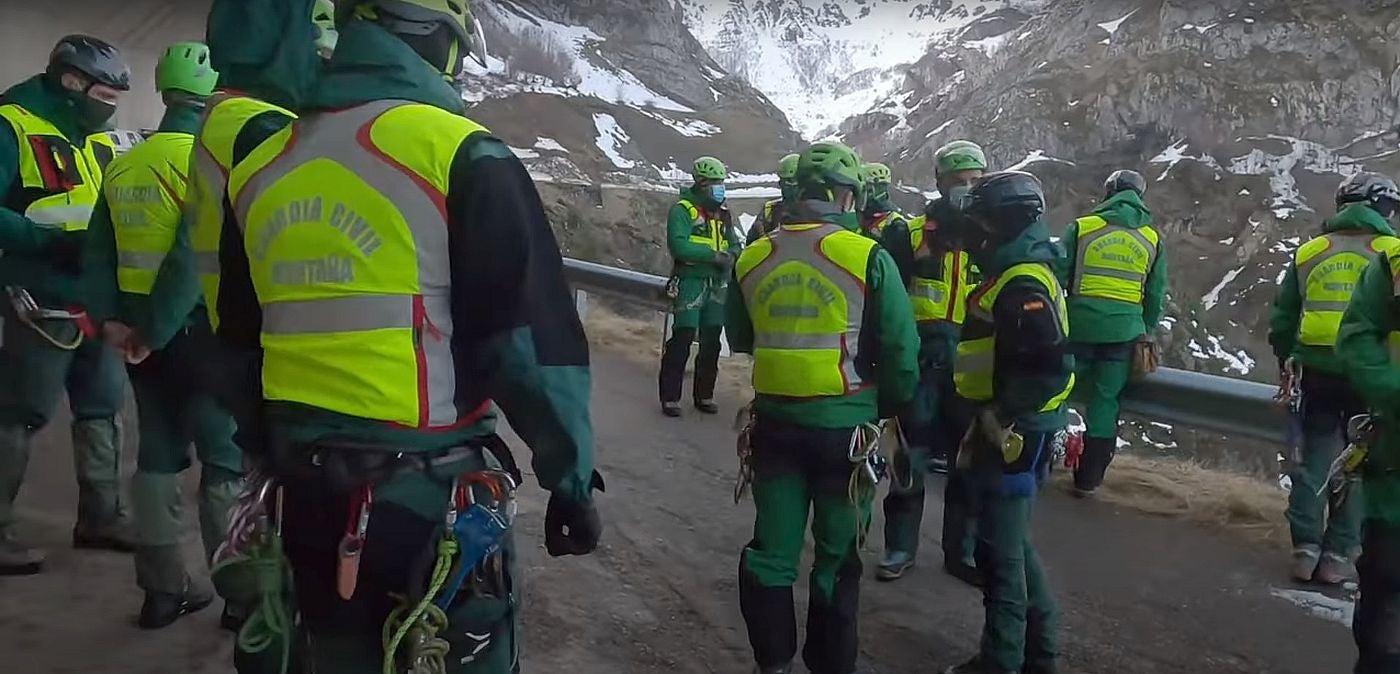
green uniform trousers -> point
(173, 412)
(1318, 521)
(405, 526)
(801, 472)
(1101, 373)
(697, 312)
(1376, 623)
(34, 375)
(1021, 616)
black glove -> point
(65, 252)
(572, 527)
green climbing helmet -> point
(709, 168)
(323, 18)
(185, 67)
(877, 173)
(830, 164)
(959, 155)
(420, 18)
(787, 167)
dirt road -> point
(1139, 595)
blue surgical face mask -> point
(717, 193)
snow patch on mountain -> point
(1036, 157)
(611, 138)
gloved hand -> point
(724, 260)
(127, 340)
(571, 527)
(65, 252)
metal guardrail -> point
(1204, 401)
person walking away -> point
(1307, 313)
(53, 151)
(1014, 366)
(703, 244)
(879, 210)
(775, 210)
(132, 228)
(835, 349)
(1115, 271)
(1368, 345)
(428, 285)
(939, 276)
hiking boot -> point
(1040, 668)
(974, 666)
(1084, 492)
(964, 572)
(162, 609)
(896, 562)
(776, 669)
(116, 536)
(671, 409)
(1334, 569)
(707, 405)
(18, 559)
(1305, 563)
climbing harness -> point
(1290, 396)
(250, 569)
(469, 558)
(30, 313)
(1345, 470)
(743, 423)
(868, 468)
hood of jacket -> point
(41, 96)
(1358, 218)
(1031, 245)
(1125, 209)
(370, 64)
(265, 48)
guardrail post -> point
(581, 304)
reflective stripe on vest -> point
(705, 230)
(804, 287)
(345, 224)
(1112, 262)
(145, 190)
(940, 299)
(58, 182)
(1328, 269)
(974, 372)
(225, 115)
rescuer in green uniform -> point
(53, 150)
(1014, 366)
(1368, 343)
(701, 237)
(132, 228)
(879, 209)
(1115, 271)
(821, 309)
(1307, 313)
(773, 211)
(938, 274)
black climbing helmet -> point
(1124, 180)
(98, 61)
(1005, 203)
(1375, 189)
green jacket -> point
(1361, 346)
(694, 260)
(105, 301)
(938, 341)
(1288, 305)
(1095, 320)
(1021, 387)
(23, 240)
(518, 340)
(887, 352)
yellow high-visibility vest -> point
(1328, 269)
(974, 371)
(145, 190)
(225, 115)
(1392, 258)
(1112, 262)
(943, 298)
(804, 288)
(346, 232)
(705, 229)
(59, 180)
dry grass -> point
(1235, 502)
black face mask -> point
(93, 114)
(1386, 208)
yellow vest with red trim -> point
(225, 115)
(974, 371)
(58, 181)
(1328, 269)
(1112, 262)
(943, 298)
(804, 287)
(145, 190)
(705, 229)
(344, 221)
